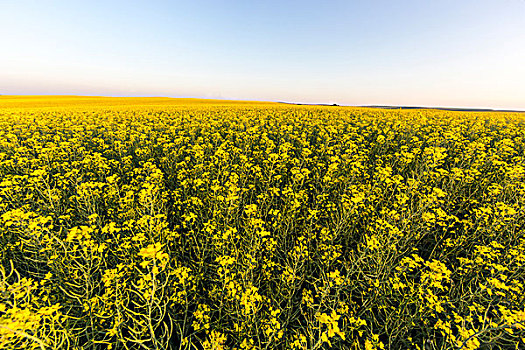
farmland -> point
(205, 224)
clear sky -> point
(468, 53)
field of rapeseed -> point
(157, 224)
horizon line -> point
(298, 103)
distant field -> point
(158, 223)
(94, 101)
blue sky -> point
(430, 53)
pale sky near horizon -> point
(461, 53)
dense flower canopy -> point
(260, 226)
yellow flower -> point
(151, 250)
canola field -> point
(197, 224)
